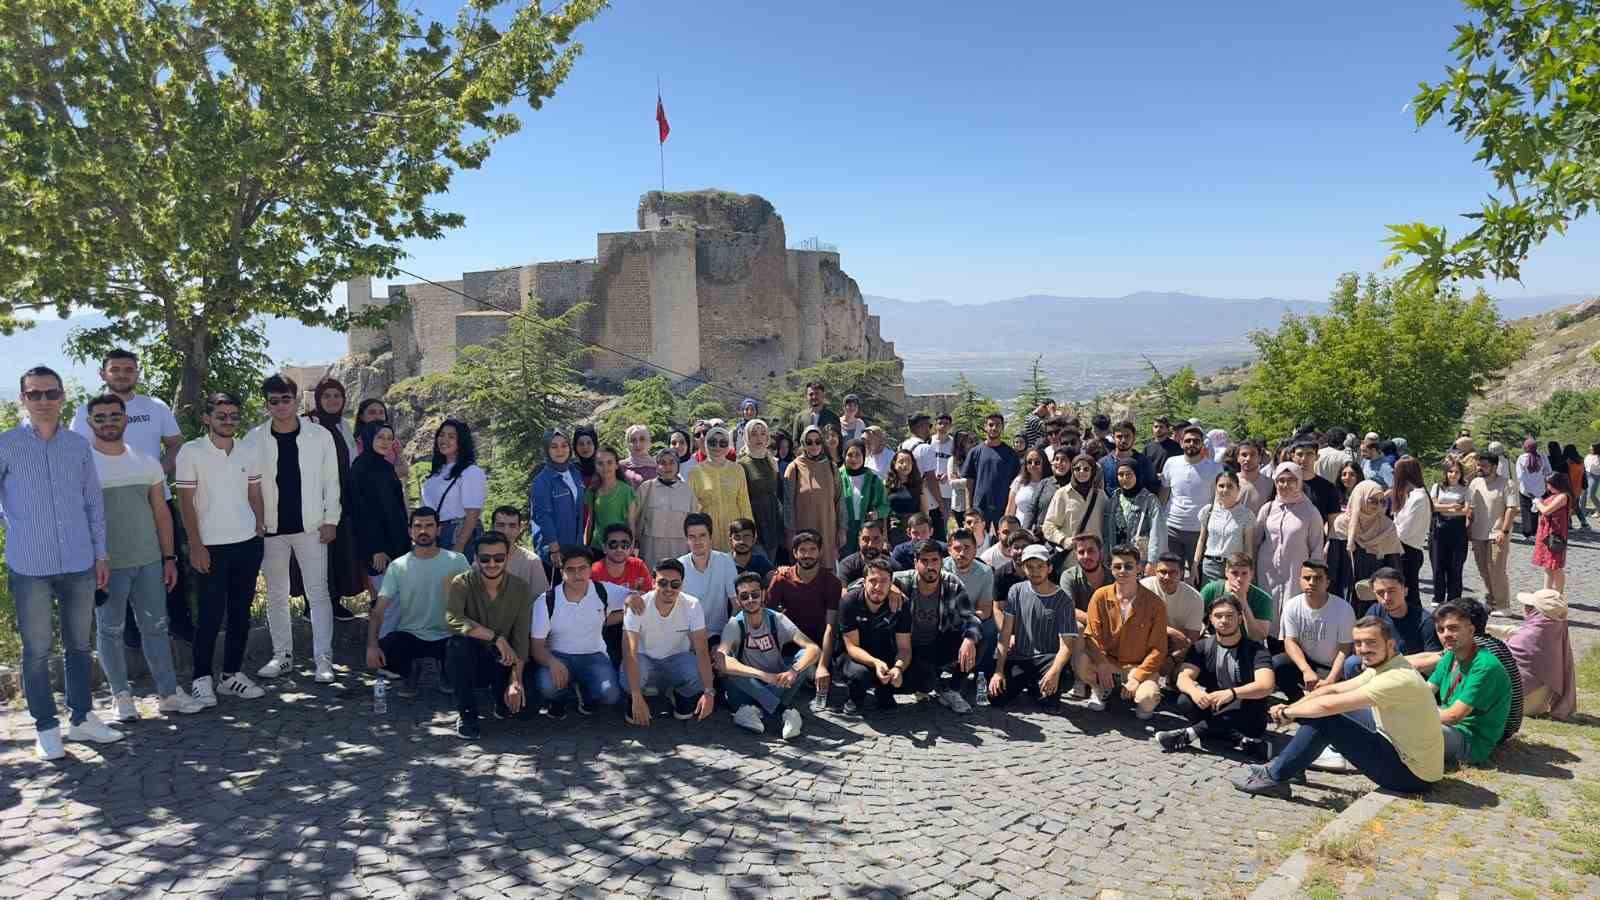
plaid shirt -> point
(957, 615)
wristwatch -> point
(172, 558)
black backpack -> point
(611, 633)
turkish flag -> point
(661, 120)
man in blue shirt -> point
(990, 469)
(55, 526)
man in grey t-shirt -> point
(1038, 636)
(761, 683)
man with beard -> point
(1161, 447)
(978, 579)
(665, 650)
(919, 530)
(1039, 637)
(1061, 436)
(808, 595)
(877, 638)
(816, 412)
(874, 543)
(996, 554)
(219, 495)
(1188, 483)
(761, 682)
(1086, 576)
(1473, 687)
(1223, 686)
(1125, 638)
(1494, 508)
(416, 586)
(490, 614)
(139, 544)
(1123, 435)
(1383, 721)
(1255, 486)
(153, 431)
(944, 628)
(748, 557)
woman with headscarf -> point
(1081, 506)
(1217, 443)
(879, 453)
(1579, 480)
(683, 445)
(1371, 542)
(663, 503)
(381, 532)
(1288, 532)
(347, 576)
(813, 497)
(720, 487)
(585, 444)
(556, 497)
(761, 479)
(640, 464)
(865, 496)
(1137, 516)
(1550, 544)
(782, 451)
(1532, 471)
(374, 410)
(1542, 647)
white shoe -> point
(204, 692)
(920, 696)
(179, 702)
(954, 702)
(324, 670)
(123, 709)
(1080, 690)
(237, 685)
(275, 666)
(392, 676)
(1330, 760)
(92, 730)
(791, 724)
(48, 744)
(1096, 702)
(749, 718)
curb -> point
(1285, 881)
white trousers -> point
(312, 554)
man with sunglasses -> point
(569, 645)
(300, 501)
(55, 523)
(1125, 638)
(490, 614)
(620, 567)
(415, 586)
(665, 651)
(761, 682)
(152, 430)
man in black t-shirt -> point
(1010, 571)
(874, 544)
(877, 639)
(1322, 493)
(1223, 686)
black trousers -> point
(928, 662)
(1411, 566)
(861, 681)
(1248, 720)
(401, 650)
(473, 664)
(1289, 678)
(1530, 519)
(1022, 675)
(225, 593)
(1450, 557)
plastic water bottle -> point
(380, 696)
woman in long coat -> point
(811, 485)
(1288, 532)
(719, 485)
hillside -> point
(1560, 357)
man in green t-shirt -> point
(1238, 582)
(1474, 689)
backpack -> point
(611, 633)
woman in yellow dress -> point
(720, 487)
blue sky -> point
(986, 151)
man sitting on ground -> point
(1316, 635)
(489, 612)
(1223, 687)
(877, 639)
(808, 595)
(665, 650)
(1125, 637)
(1185, 610)
(568, 640)
(761, 683)
(1413, 626)
(1383, 721)
(944, 628)
(1038, 638)
(978, 579)
(416, 584)
(1472, 685)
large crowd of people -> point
(818, 569)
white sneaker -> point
(749, 718)
(179, 702)
(204, 693)
(954, 702)
(123, 709)
(49, 746)
(1080, 690)
(392, 676)
(275, 666)
(324, 670)
(1096, 702)
(921, 696)
(791, 724)
(237, 685)
(92, 730)
(1330, 760)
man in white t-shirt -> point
(665, 650)
(708, 574)
(936, 474)
(1188, 482)
(1185, 610)
(1316, 629)
(568, 642)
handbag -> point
(1555, 543)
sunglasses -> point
(48, 394)
(491, 557)
(716, 443)
(224, 417)
(279, 401)
(749, 595)
(618, 545)
(670, 584)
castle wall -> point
(433, 324)
(643, 289)
(562, 285)
(481, 327)
(505, 289)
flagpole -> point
(661, 146)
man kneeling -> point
(488, 612)
(1038, 637)
(569, 642)
(1223, 686)
(758, 678)
(1383, 721)
(876, 627)
(664, 649)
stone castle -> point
(707, 286)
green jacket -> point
(873, 501)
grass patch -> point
(1319, 885)
(1530, 804)
(1349, 850)
(1580, 836)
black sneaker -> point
(583, 708)
(557, 710)
(407, 688)
(467, 729)
(1256, 749)
(1174, 740)
(683, 707)
(183, 631)
(851, 710)
(340, 614)
(501, 710)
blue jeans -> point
(1355, 736)
(142, 588)
(74, 591)
(679, 672)
(589, 673)
(744, 690)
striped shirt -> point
(53, 510)
(1503, 653)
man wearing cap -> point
(1038, 637)
(851, 425)
(816, 412)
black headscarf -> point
(585, 463)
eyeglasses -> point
(48, 394)
(105, 418)
(491, 557)
(716, 443)
(1124, 567)
(670, 584)
(279, 401)
(618, 545)
(749, 595)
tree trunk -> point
(194, 348)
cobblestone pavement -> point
(307, 793)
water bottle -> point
(380, 696)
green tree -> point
(1175, 396)
(866, 379)
(1395, 358)
(645, 401)
(185, 167)
(1522, 88)
(1036, 390)
(1507, 424)
(972, 407)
